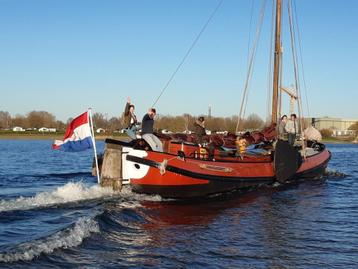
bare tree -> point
(5, 120)
(99, 120)
(60, 125)
(253, 122)
(188, 121)
(38, 119)
(20, 121)
(173, 123)
(114, 124)
(231, 123)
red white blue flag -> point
(78, 135)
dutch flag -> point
(78, 135)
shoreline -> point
(46, 137)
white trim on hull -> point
(131, 169)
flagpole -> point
(94, 145)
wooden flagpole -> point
(94, 145)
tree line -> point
(186, 122)
(180, 123)
(38, 119)
(33, 119)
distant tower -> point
(209, 112)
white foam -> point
(71, 192)
(67, 238)
(126, 192)
(334, 174)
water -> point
(52, 214)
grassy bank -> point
(334, 140)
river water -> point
(52, 214)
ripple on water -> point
(67, 238)
(309, 225)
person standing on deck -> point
(291, 129)
(130, 119)
(199, 127)
(281, 127)
(147, 131)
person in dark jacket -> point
(199, 129)
(130, 119)
(147, 131)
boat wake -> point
(68, 193)
(334, 174)
(127, 194)
(73, 235)
(69, 237)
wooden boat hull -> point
(170, 176)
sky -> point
(63, 56)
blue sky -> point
(64, 56)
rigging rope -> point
(295, 57)
(295, 65)
(301, 58)
(250, 25)
(270, 67)
(188, 51)
(250, 67)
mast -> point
(276, 70)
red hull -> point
(194, 177)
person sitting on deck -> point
(147, 131)
(241, 146)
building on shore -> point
(339, 126)
(18, 129)
(47, 130)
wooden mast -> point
(276, 70)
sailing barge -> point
(186, 169)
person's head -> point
(131, 108)
(152, 112)
(201, 119)
(293, 116)
(240, 141)
(284, 118)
